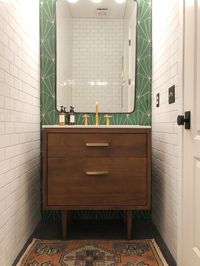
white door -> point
(191, 138)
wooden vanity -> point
(96, 169)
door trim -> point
(180, 131)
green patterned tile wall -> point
(142, 112)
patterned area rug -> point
(92, 253)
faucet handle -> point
(107, 119)
(85, 119)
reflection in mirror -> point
(96, 48)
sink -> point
(93, 126)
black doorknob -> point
(181, 120)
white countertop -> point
(93, 126)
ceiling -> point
(88, 9)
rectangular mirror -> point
(96, 55)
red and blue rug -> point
(92, 253)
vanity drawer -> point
(97, 145)
(90, 181)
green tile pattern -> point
(142, 112)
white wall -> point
(19, 125)
(166, 72)
(97, 59)
(64, 60)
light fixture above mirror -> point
(120, 1)
(97, 1)
(72, 1)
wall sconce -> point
(120, 1)
(72, 1)
(96, 1)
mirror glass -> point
(96, 55)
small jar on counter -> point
(71, 116)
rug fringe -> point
(159, 252)
(25, 253)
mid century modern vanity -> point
(96, 168)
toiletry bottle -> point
(71, 116)
(62, 116)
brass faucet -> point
(107, 119)
(85, 119)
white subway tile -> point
(19, 120)
(4, 38)
(4, 192)
(8, 30)
(4, 64)
(2, 154)
(13, 46)
(4, 115)
(9, 55)
(2, 102)
(9, 79)
(164, 128)
(14, 71)
(10, 128)
(2, 76)
(4, 141)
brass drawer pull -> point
(97, 173)
(97, 144)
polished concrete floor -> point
(100, 229)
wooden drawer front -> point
(124, 184)
(96, 145)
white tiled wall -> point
(64, 43)
(19, 125)
(97, 63)
(166, 72)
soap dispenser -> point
(71, 116)
(62, 116)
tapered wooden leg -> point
(64, 225)
(129, 224)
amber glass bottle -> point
(62, 116)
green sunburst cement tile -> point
(145, 119)
(47, 72)
(144, 66)
(144, 104)
(144, 86)
(47, 30)
(144, 30)
(48, 86)
(142, 111)
(48, 49)
(143, 47)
